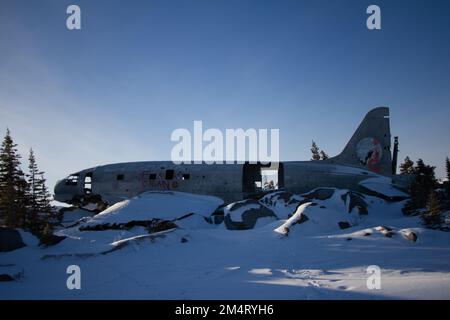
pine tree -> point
(315, 151)
(432, 216)
(13, 186)
(32, 176)
(423, 184)
(407, 167)
(323, 155)
(39, 204)
(447, 167)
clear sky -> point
(115, 90)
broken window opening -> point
(152, 176)
(186, 176)
(72, 180)
(258, 179)
(169, 174)
(120, 177)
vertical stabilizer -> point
(370, 145)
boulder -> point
(344, 224)
(5, 277)
(355, 199)
(10, 239)
(244, 215)
(409, 235)
(319, 194)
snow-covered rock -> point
(247, 214)
(149, 206)
(10, 239)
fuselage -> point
(230, 182)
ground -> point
(315, 260)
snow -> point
(314, 260)
(168, 205)
(73, 216)
(28, 238)
(383, 186)
(296, 217)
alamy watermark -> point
(235, 146)
(74, 279)
(373, 281)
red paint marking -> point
(375, 158)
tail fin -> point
(370, 145)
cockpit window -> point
(72, 180)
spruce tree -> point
(13, 186)
(424, 182)
(432, 216)
(32, 176)
(447, 167)
(323, 155)
(39, 204)
(315, 151)
(407, 167)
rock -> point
(10, 239)
(51, 240)
(319, 194)
(302, 219)
(344, 224)
(243, 215)
(387, 231)
(355, 199)
(409, 235)
(5, 277)
(272, 198)
(154, 225)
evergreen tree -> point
(32, 176)
(39, 204)
(447, 167)
(432, 216)
(407, 167)
(315, 151)
(424, 183)
(323, 155)
(13, 186)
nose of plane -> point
(58, 190)
(63, 192)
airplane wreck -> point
(365, 160)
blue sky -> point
(115, 90)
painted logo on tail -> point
(369, 153)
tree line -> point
(429, 198)
(24, 197)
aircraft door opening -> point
(259, 179)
